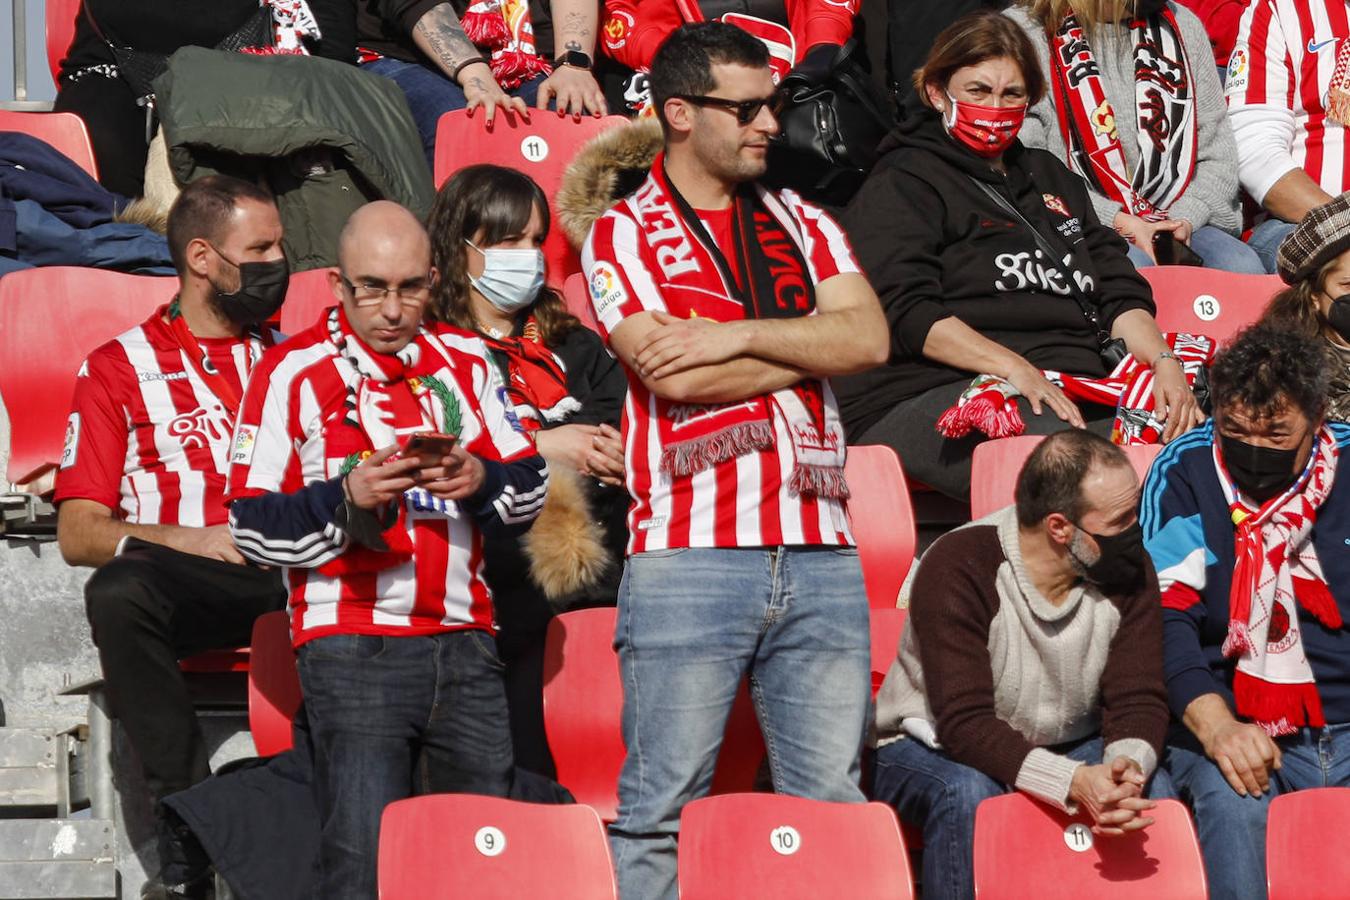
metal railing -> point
(19, 38)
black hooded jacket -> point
(934, 244)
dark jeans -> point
(431, 94)
(910, 428)
(150, 607)
(391, 717)
(930, 789)
(116, 129)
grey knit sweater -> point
(997, 674)
(1212, 196)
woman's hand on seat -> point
(1038, 390)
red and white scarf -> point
(503, 27)
(1165, 104)
(989, 405)
(1277, 571)
(292, 22)
(696, 280)
(536, 379)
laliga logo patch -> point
(606, 288)
(72, 442)
(616, 29)
(1056, 204)
(244, 439)
(1238, 63)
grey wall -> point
(40, 85)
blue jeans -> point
(930, 789)
(381, 708)
(691, 624)
(431, 94)
(1266, 239)
(1232, 828)
(1219, 250)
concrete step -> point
(57, 858)
(29, 767)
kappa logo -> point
(606, 288)
(147, 377)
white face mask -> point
(511, 279)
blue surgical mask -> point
(511, 279)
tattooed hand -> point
(481, 89)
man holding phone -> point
(371, 460)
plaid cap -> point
(1323, 235)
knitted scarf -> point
(388, 398)
(1165, 104)
(1277, 571)
(504, 28)
(774, 282)
(989, 404)
(536, 380)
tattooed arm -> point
(439, 35)
(574, 90)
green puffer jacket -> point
(326, 138)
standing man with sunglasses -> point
(382, 540)
(729, 306)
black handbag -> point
(829, 128)
(1111, 350)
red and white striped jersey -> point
(284, 444)
(740, 502)
(1279, 74)
(146, 436)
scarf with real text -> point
(989, 405)
(1165, 104)
(536, 379)
(388, 398)
(504, 28)
(1277, 571)
(774, 282)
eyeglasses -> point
(744, 110)
(367, 294)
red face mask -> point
(986, 130)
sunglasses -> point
(745, 110)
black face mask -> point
(1260, 472)
(1121, 564)
(1338, 316)
(262, 290)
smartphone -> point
(1168, 251)
(429, 444)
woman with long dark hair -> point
(487, 226)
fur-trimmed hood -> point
(609, 166)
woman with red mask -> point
(1012, 308)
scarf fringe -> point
(1278, 708)
(484, 24)
(1315, 597)
(993, 418)
(688, 457)
(1239, 640)
(561, 410)
(819, 481)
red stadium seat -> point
(1208, 301)
(887, 626)
(64, 131)
(541, 148)
(50, 320)
(996, 464)
(577, 299)
(790, 848)
(882, 519)
(583, 703)
(307, 295)
(1025, 850)
(444, 846)
(1304, 858)
(61, 16)
(273, 684)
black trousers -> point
(150, 607)
(116, 129)
(910, 428)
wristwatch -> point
(574, 58)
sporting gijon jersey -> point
(739, 502)
(1279, 74)
(146, 436)
(281, 446)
